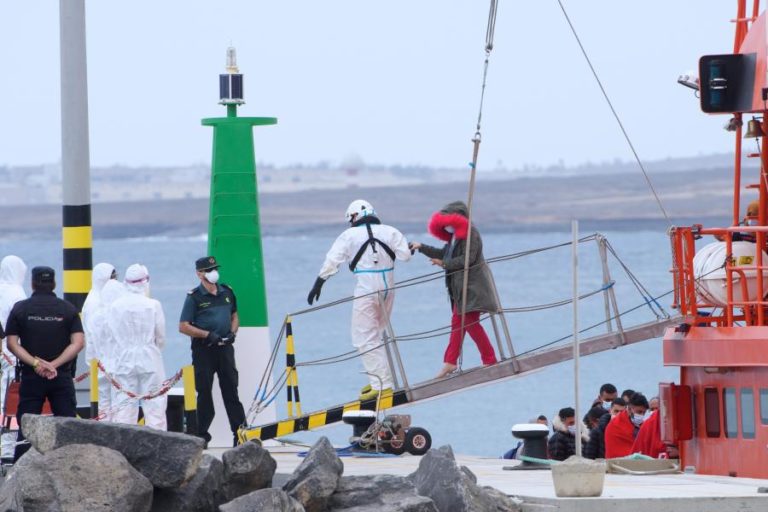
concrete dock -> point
(681, 492)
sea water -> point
(477, 421)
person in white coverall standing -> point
(12, 272)
(370, 248)
(102, 273)
(103, 344)
(138, 326)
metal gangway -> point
(511, 364)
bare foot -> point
(446, 370)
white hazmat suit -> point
(138, 326)
(12, 272)
(373, 294)
(102, 343)
(102, 273)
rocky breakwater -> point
(79, 465)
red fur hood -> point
(440, 221)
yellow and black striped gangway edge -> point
(322, 418)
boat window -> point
(764, 406)
(731, 418)
(747, 413)
(712, 412)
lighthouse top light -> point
(231, 82)
(232, 61)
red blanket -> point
(619, 436)
(648, 440)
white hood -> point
(102, 273)
(12, 270)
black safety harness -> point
(372, 241)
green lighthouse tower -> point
(234, 238)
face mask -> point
(212, 276)
(637, 419)
(572, 429)
(607, 405)
(146, 290)
(449, 229)
(751, 222)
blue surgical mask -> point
(752, 222)
(449, 229)
(638, 419)
(607, 405)
(572, 429)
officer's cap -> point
(43, 275)
(206, 263)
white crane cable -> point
(615, 114)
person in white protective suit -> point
(102, 342)
(370, 248)
(138, 326)
(12, 272)
(102, 273)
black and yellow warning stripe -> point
(321, 418)
(292, 378)
(77, 240)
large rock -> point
(247, 468)
(201, 494)
(265, 500)
(380, 492)
(167, 459)
(11, 493)
(317, 477)
(454, 488)
(75, 478)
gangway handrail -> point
(437, 388)
(276, 388)
(267, 390)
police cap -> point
(206, 263)
(43, 275)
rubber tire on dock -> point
(417, 441)
(395, 448)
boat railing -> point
(690, 302)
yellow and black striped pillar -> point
(292, 379)
(77, 240)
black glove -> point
(314, 293)
(212, 339)
(229, 338)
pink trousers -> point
(476, 332)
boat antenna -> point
(489, 33)
(615, 114)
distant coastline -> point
(616, 201)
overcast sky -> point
(394, 82)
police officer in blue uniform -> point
(209, 317)
(45, 334)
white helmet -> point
(361, 207)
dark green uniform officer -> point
(209, 317)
